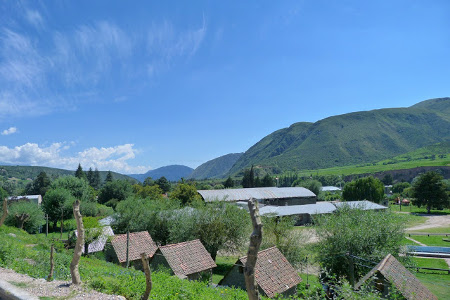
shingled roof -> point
(187, 258)
(398, 275)
(140, 242)
(273, 273)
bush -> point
(35, 219)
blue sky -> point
(132, 86)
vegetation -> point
(310, 184)
(367, 188)
(430, 190)
(215, 168)
(435, 281)
(25, 215)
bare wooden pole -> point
(252, 254)
(148, 276)
(46, 225)
(79, 244)
(5, 211)
(52, 264)
(128, 248)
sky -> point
(131, 86)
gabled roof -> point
(187, 258)
(273, 273)
(262, 193)
(140, 242)
(398, 275)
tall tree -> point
(109, 177)
(90, 177)
(55, 204)
(367, 188)
(229, 183)
(164, 184)
(39, 186)
(79, 173)
(96, 183)
(248, 181)
(148, 181)
(267, 180)
(429, 190)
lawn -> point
(432, 240)
(411, 220)
(436, 281)
(224, 264)
(443, 229)
(418, 210)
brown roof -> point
(273, 273)
(187, 258)
(140, 242)
(404, 280)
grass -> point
(411, 220)
(443, 229)
(433, 240)
(224, 264)
(419, 210)
(436, 281)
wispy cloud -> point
(9, 131)
(105, 158)
(34, 18)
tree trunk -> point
(253, 248)
(52, 264)
(148, 276)
(21, 219)
(5, 211)
(79, 244)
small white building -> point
(31, 198)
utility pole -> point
(128, 247)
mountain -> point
(359, 137)
(172, 173)
(31, 172)
(215, 168)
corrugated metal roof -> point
(311, 209)
(329, 188)
(364, 205)
(257, 193)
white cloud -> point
(9, 131)
(34, 18)
(106, 158)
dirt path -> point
(432, 221)
(57, 289)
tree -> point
(79, 188)
(39, 186)
(399, 188)
(267, 180)
(363, 233)
(248, 181)
(429, 190)
(78, 246)
(313, 185)
(79, 173)
(229, 183)
(186, 193)
(148, 191)
(387, 179)
(367, 188)
(90, 177)
(109, 177)
(25, 215)
(115, 191)
(148, 181)
(164, 184)
(55, 204)
(96, 181)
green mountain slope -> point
(215, 168)
(353, 138)
(31, 172)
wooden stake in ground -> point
(79, 244)
(52, 264)
(5, 211)
(253, 248)
(148, 276)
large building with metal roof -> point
(266, 195)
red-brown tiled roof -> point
(408, 284)
(140, 242)
(187, 258)
(273, 273)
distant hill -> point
(31, 172)
(215, 168)
(354, 138)
(172, 173)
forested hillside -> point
(215, 168)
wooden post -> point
(46, 226)
(128, 248)
(52, 264)
(253, 248)
(78, 246)
(5, 211)
(148, 276)
(62, 224)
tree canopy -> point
(114, 191)
(367, 188)
(429, 190)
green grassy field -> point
(437, 282)
(444, 229)
(224, 264)
(433, 240)
(418, 210)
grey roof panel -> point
(364, 205)
(257, 193)
(311, 209)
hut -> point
(390, 272)
(274, 274)
(185, 260)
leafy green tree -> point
(186, 193)
(148, 181)
(25, 215)
(79, 188)
(90, 176)
(164, 184)
(109, 177)
(248, 180)
(96, 180)
(398, 188)
(3, 195)
(387, 179)
(148, 191)
(39, 186)
(258, 182)
(367, 188)
(429, 190)
(229, 183)
(56, 204)
(115, 191)
(79, 173)
(267, 181)
(310, 184)
(363, 233)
